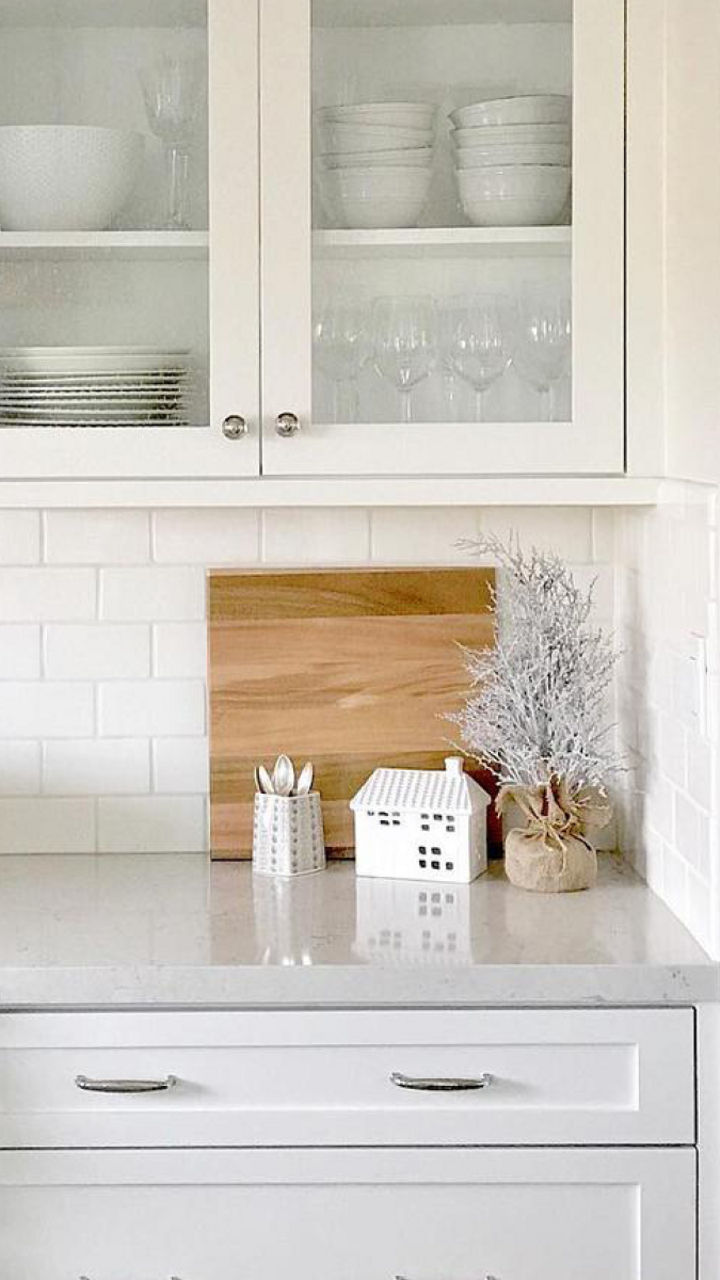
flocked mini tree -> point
(536, 714)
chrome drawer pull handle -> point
(125, 1086)
(440, 1085)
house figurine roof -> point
(429, 790)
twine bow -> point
(553, 815)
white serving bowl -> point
(410, 158)
(513, 135)
(514, 196)
(544, 154)
(539, 108)
(412, 115)
(342, 139)
(65, 177)
(389, 197)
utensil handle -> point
(440, 1084)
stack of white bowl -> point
(513, 159)
(376, 162)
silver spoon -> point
(284, 776)
(305, 781)
(263, 781)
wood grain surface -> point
(348, 668)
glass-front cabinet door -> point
(129, 245)
(442, 236)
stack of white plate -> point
(376, 161)
(93, 386)
(513, 159)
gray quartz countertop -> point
(174, 930)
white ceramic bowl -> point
(539, 108)
(513, 135)
(413, 115)
(389, 197)
(411, 158)
(524, 195)
(341, 139)
(479, 157)
(65, 177)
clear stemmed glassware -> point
(542, 345)
(341, 346)
(476, 342)
(172, 89)
(405, 344)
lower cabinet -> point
(454, 1214)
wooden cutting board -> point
(348, 668)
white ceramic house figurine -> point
(421, 824)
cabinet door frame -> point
(594, 442)
(664, 1179)
(234, 344)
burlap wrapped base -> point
(532, 863)
(552, 854)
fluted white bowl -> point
(512, 135)
(344, 138)
(514, 196)
(409, 158)
(538, 108)
(65, 177)
(413, 115)
(480, 157)
(384, 197)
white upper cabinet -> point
(442, 286)
(219, 257)
(128, 238)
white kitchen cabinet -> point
(552, 1077)
(261, 255)
(350, 1215)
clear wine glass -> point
(172, 89)
(476, 342)
(405, 344)
(341, 346)
(542, 345)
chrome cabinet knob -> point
(287, 424)
(234, 427)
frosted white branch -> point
(536, 708)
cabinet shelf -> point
(103, 13)
(99, 244)
(444, 242)
(421, 13)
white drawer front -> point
(356, 1215)
(310, 1078)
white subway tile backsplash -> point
(42, 825)
(19, 652)
(97, 537)
(97, 651)
(180, 650)
(46, 710)
(19, 768)
(152, 824)
(565, 530)
(47, 595)
(151, 708)
(181, 765)
(315, 536)
(19, 537)
(113, 767)
(207, 537)
(152, 594)
(404, 535)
